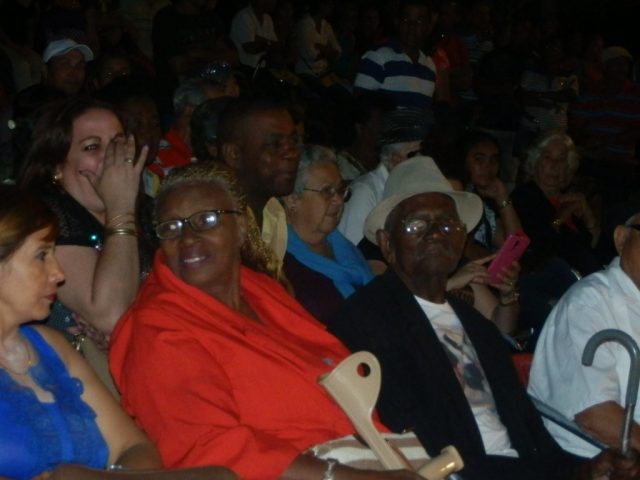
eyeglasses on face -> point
(328, 192)
(199, 222)
(633, 227)
(419, 226)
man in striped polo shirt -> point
(399, 67)
(605, 120)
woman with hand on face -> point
(323, 267)
(85, 167)
(54, 410)
(481, 154)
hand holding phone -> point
(511, 250)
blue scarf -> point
(347, 271)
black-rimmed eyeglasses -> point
(199, 222)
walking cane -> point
(356, 392)
(613, 335)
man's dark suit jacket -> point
(421, 392)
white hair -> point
(535, 151)
(310, 156)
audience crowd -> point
(216, 201)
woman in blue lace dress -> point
(53, 409)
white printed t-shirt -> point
(465, 363)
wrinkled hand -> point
(610, 465)
(472, 272)
(576, 204)
(117, 185)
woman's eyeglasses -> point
(199, 222)
(419, 227)
(328, 192)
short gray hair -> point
(311, 155)
(534, 153)
(190, 92)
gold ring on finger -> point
(128, 160)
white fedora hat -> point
(415, 176)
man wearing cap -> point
(65, 62)
(446, 372)
(403, 133)
(605, 120)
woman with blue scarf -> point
(323, 267)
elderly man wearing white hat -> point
(446, 372)
(65, 62)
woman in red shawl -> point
(217, 362)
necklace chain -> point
(4, 365)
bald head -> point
(627, 241)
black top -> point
(78, 227)
(421, 392)
(313, 290)
(571, 244)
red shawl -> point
(210, 386)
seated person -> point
(55, 411)
(592, 395)
(82, 165)
(244, 355)
(323, 266)
(259, 141)
(481, 157)
(317, 46)
(559, 222)
(540, 286)
(446, 373)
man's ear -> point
(230, 154)
(620, 235)
(384, 242)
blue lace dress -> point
(37, 436)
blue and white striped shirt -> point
(388, 69)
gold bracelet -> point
(514, 294)
(121, 231)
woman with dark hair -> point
(481, 156)
(83, 166)
(54, 409)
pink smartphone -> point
(511, 250)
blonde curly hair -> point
(255, 253)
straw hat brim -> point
(468, 205)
